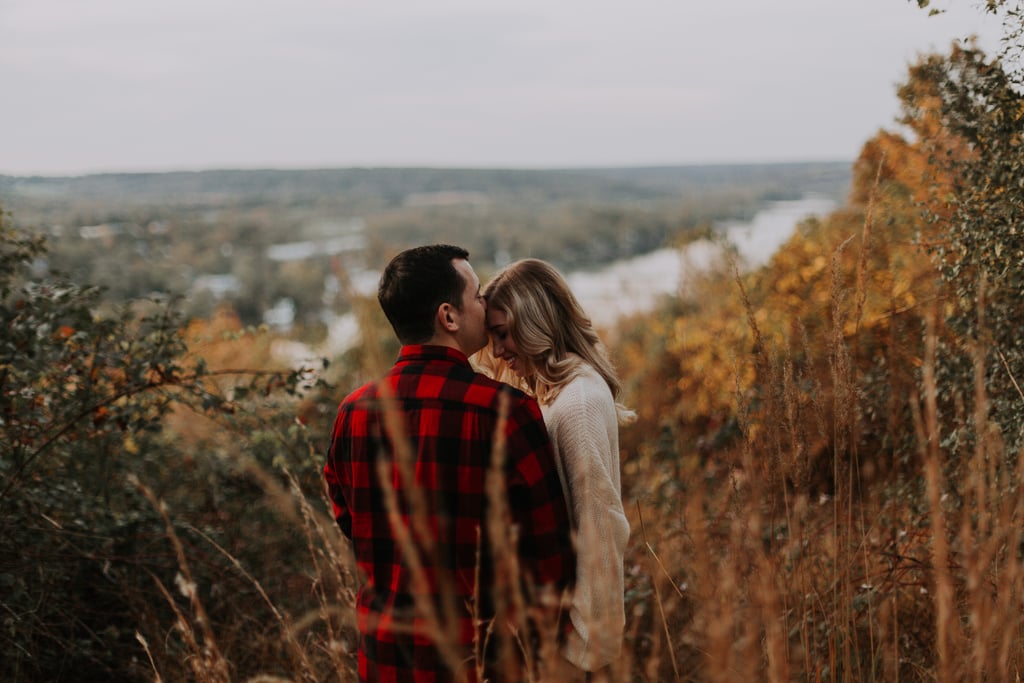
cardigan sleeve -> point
(586, 438)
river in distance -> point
(636, 285)
(628, 286)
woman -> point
(542, 341)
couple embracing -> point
(484, 508)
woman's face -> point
(502, 344)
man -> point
(409, 474)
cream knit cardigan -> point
(582, 422)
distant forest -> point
(255, 238)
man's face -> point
(473, 316)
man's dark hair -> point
(414, 284)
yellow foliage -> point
(863, 263)
(223, 344)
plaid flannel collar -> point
(418, 353)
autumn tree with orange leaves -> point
(931, 230)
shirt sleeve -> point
(335, 487)
(536, 501)
(587, 452)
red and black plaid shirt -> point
(448, 414)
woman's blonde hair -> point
(548, 326)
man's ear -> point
(446, 317)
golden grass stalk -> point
(657, 591)
(206, 659)
(149, 655)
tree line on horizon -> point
(140, 235)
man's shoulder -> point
(459, 383)
(368, 391)
(478, 390)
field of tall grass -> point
(811, 498)
(781, 541)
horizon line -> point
(411, 167)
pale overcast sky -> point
(130, 85)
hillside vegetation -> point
(823, 481)
(832, 491)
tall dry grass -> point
(760, 566)
(761, 572)
(320, 644)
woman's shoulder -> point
(585, 388)
(587, 378)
